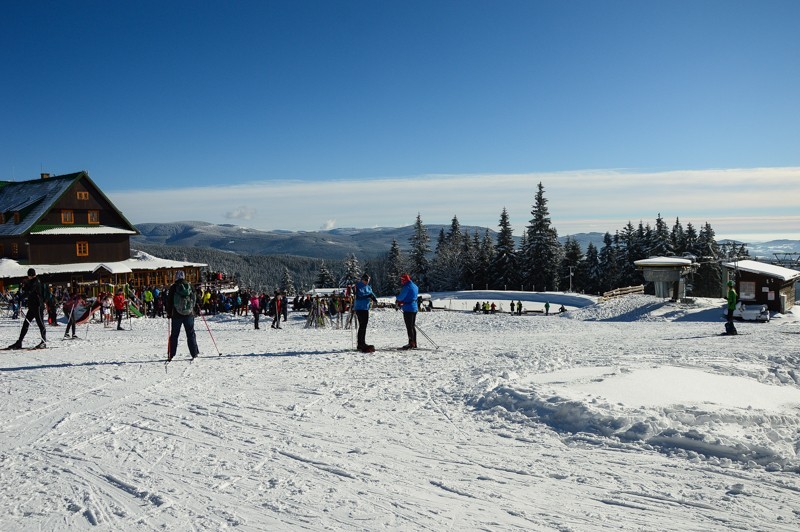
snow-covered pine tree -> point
(678, 238)
(542, 258)
(707, 280)
(420, 247)
(608, 264)
(503, 271)
(352, 271)
(470, 270)
(590, 274)
(287, 285)
(662, 241)
(325, 278)
(395, 267)
(485, 257)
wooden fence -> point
(617, 292)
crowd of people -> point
(181, 301)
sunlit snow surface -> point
(632, 414)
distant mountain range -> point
(340, 243)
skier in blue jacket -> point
(408, 300)
(364, 297)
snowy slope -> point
(627, 415)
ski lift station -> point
(668, 275)
(765, 284)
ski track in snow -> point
(293, 430)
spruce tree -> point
(504, 270)
(570, 264)
(707, 281)
(608, 265)
(420, 248)
(352, 271)
(287, 285)
(325, 278)
(543, 254)
(590, 276)
(395, 267)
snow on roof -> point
(84, 230)
(139, 260)
(663, 261)
(771, 270)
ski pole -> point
(426, 336)
(209, 333)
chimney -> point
(45, 176)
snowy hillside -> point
(632, 414)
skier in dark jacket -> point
(34, 291)
(181, 303)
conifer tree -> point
(543, 251)
(420, 248)
(287, 285)
(590, 277)
(707, 281)
(504, 268)
(395, 267)
(608, 264)
(352, 271)
(325, 278)
(570, 264)
(678, 238)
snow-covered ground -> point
(633, 414)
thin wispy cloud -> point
(733, 201)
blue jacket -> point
(363, 296)
(408, 297)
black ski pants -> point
(363, 320)
(410, 318)
(34, 313)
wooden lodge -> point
(72, 235)
(763, 283)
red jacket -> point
(119, 302)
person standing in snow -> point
(181, 302)
(34, 292)
(255, 306)
(119, 307)
(364, 298)
(732, 296)
(277, 310)
(408, 299)
(69, 309)
(546, 308)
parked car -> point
(754, 312)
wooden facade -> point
(775, 287)
(65, 222)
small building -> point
(762, 283)
(668, 275)
(68, 230)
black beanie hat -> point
(31, 272)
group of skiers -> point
(181, 302)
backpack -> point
(183, 300)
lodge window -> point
(16, 218)
(83, 195)
(747, 290)
(2, 218)
(67, 217)
(82, 249)
(2, 251)
(94, 217)
(14, 251)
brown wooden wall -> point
(81, 208)
(773, 285)
(62, 249)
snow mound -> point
(649, 308)
(689, 412)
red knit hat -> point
(405, 278)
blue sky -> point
(308, 114)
